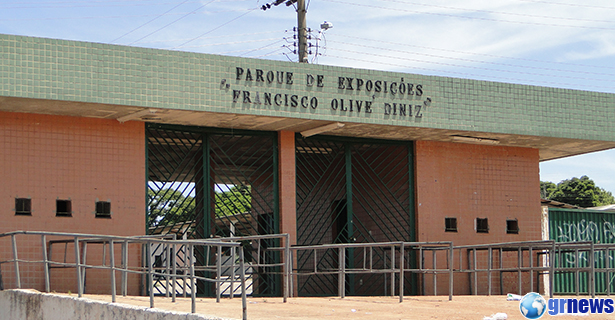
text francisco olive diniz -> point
(405, 99)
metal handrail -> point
(286, 272)
(400, 270)
(80, 267)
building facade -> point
(100, 138)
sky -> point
(554, 43)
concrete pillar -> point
(288, 193)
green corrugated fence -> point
(582, 225)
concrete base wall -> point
(31, 304)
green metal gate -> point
(352, 191)
(205, 182)
(582, 225)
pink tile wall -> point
(45, 157)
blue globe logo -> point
(532, 306)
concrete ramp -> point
(31, 304)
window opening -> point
(512, 226)
(450, 224)
(482, 225)
(23, 207)
(63, 208)
(103, 209)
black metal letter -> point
(259, 75)
(246, 97)
(334, 104)
(238, 72)
(314, 103)
(419, 90)
(309, 80)
(368, 107)
(320, 80)
(340, 82)
(236, 94)
(387, 108)
(289, 78)
(349, 82)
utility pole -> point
(302, 31)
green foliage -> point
(168, 206)
(582, 192)
(238, 199)
(546, 189)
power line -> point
(214, 37)
(189, 13)
(90, 4)
(477, 61)
(116, 17)
(234, 42)
(214, 29)
(496, 12)
(261, 48)
(474, 53)
(571, 4)
(139, 27)
(471, 18)
(457, 65)
(465, 74)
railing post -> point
(531, 269)
(174, 262)
(45, 263)
(16, 261)
(577, 264)
(552, 269)
(607, 258)
(192, 282)
(150, 276)
(232, 278)
(475, 272)
(112, 263)
(435, 274)
(287, 267)
(519, 275)
(167, 269)
(392, 271)
(450, 271)
(218, 272)
(341, 290)
(291, 280)
(421, 267)
(78, 267)
(125, 267)
(489, 267)
(242, 275)
(592, 275)
(84, 263)
(501, 256)
(401, 272)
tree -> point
(238, 199)
(582, 192)
(546, 189)
(168, 206)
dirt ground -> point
(359, 308)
